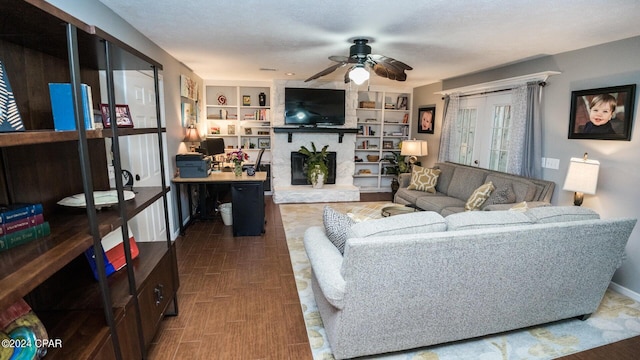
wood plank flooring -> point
(238, 299)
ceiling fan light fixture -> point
(359, 74)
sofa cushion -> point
(437, 203)
(501, 195)
(446, 174)
(412, 223)
(479, 196)
(485, 219)
(464, 182)
(423, 179)
(337, 226)
(520, 207)
(551, 214)
(524, 190)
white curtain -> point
(532, 154)
(515, 147)
(448, 147)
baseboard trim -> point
(624, 291)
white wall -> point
(95, 13)
(605, 65)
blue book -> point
(10, 119)
(9, 213)
(62, 106)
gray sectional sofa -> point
(457, 182)
(467, 275)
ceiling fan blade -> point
(388, 67)
(343, 59)
(326, 71)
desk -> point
(247, 199)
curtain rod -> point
(540, 83)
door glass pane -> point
(500, 137)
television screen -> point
(304, 106)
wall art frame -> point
(426, 119)
(618, 127)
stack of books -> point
(20, 224)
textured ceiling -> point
(233, 40)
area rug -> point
(617, 318)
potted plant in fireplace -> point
(315, 166)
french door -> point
(483, 129)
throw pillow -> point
(337, 226)
(522, 207)
(424, 179)
(502, 195)
(479, 196)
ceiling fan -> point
(360, 56)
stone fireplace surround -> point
(343, 189)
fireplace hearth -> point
(297, 165)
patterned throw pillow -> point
(424, 179)
(479, 196)
(337, 226)
(522, 207)
(502, 195)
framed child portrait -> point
(123, 116)
(426, 117)
(602, 113)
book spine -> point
(21, 224)
(24, 236)
(87, 106)
(21, 212)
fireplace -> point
(297, 164)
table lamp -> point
(413, 149)
(192, 136)
(582, 178)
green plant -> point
(315, 160)
(398, 163)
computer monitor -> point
(212, 146)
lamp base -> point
(577, 198)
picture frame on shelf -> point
(231, 129)
(123, 116)
(426, 119)
(247, 131)
(264, 143)
(402, 103)
(602, 113)
(246, 100)
(214, 130)
(387, 144)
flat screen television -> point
(313, 107)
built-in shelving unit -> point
(384, 121)
(113, 317)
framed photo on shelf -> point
(426, 116)
(123, 116)
(264, 143)
(231, 129)
(247, 131)
(402, 103)
(387, 144)
(602, 113)
(246, 100)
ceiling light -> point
(359, 74)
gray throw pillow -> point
(502, 195)
(337, 226)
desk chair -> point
(255, 165)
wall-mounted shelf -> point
(308, 129)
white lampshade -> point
(359, 74)
(414, 148)
(582, 176)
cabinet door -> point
(155, 296)
(248, 209)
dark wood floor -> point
(238, 299)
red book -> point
(21, 224)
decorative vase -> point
(238, 169)
(317, 177)
(262, 99)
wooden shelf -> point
(52, 136)
(315, 129)
(24, 267)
